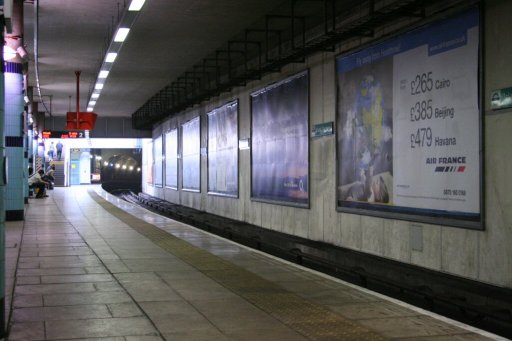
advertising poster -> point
(157, 156)
(280, 142)
(223, 150)
(149, 163)
(408, 121)
(171, 159)
(191, 150)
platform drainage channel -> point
(309, 319)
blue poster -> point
(157, 157)
(191, 155)
(280, 142)
(171, 159)
(223, 150)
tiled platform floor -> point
(89, 268)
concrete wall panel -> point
(351, 232)
(373, 235)
(459, 252)
(396, 243)
(430, 255)
(482, 255)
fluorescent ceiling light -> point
(111, 56)
(89, 109)
(103, 74)
(136, 5)
(121, 34)
(95, 95)
(98, 86)
(92, 103)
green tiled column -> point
(2, 191)
(14, 198)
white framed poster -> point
(171, 159)
(148, 152)
(223, 150)
(409, 122)
(191, 155)
(157, 157)
(280, 142)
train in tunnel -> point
(121, 172)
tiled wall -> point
(17, 178)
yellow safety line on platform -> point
(309, 319)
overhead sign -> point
(80, 120)
(57, 134)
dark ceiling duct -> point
(295, 31)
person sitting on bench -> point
(35, 181)
(49, 176)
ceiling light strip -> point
(128, 18)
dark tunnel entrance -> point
(117, 169)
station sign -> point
(501, 98)
(323, 129)
(57, 134)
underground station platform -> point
(87, 265)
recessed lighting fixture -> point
(95, 95)
(89, 109)
(103, 74)
(98, 86)
(92, 103)
(136, 5)
(111, 56)
(121, 34)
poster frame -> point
(414, 215)
(158, 185)
(174, 188)
(269, 86)
(181, 156)
(220, 194)
(149, 165)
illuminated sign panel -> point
(55, 134)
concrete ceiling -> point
(168, 37)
